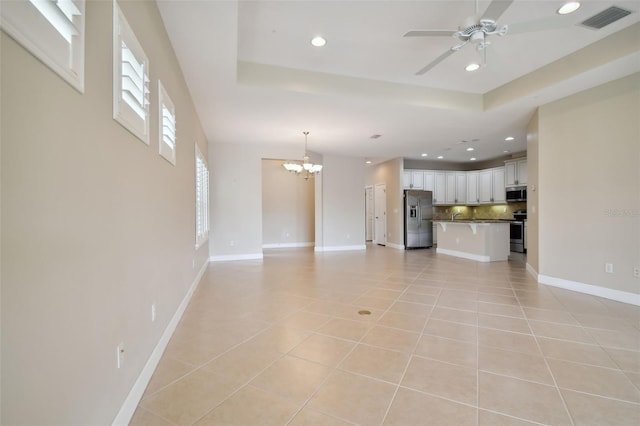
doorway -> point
(380, 208)
(369, 213)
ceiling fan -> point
(474, 29)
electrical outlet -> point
(636, 271)
(153, 312)
(608, 268)
(120, 355)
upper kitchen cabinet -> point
(417, 179)
(414, 179)
(456, 187)
(429, 180)
(491, 186)
(439, 188)
(473, 197)
(516, 172)
(406, 179)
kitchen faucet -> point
(453, 215)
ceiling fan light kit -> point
(472, 67)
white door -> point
(380, 208)
(368, 207)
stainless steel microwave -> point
(516, 194)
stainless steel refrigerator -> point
(418, 219)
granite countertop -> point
(472, 220)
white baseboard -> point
(463, 255)
(130, 404)
(396, 246)
(594, 290)
(341, 248)
(288, 245)
(531, 270)
(227, 257)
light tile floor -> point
(447, 341)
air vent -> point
(606, 17)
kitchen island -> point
(481, 240)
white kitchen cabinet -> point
(439, 188)
(499, 194)
(456, 188)
(491, 188)
(473, 197)
(450, 197)
(406, 180)
(429, 180)
(417, 179)
(516, 172)
(461, 188)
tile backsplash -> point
(498, 211)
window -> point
(166, 125)
(130, 78)
(53, 31)
(202, 199)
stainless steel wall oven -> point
(516, 231)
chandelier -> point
(307, 167)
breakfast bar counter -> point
(481, 240)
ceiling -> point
(256, 79)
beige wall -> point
(589, 186)
(96, 227)
(390, 174)
(287, 206)
(533, 205)
(236, 199)
(342, 221)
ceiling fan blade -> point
(496, 9)
(436, 61)
(429, 33)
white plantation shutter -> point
(167, 125)
(130, 79)
(202, 199)
(52, 30)
(135, 83)
(60, 14)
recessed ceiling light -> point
(423, 154)
(472, 158)
(569, 7)
(509, 138)
(472, 67)
(440, 157)
(376, 136)
(318, 41)
(506, 151)
(368, 162)
(469, 149)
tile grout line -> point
(553, 377)
(336, 367)
(411, 354)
